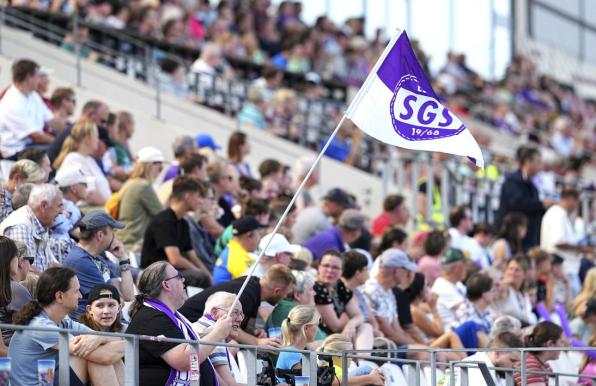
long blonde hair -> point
(336, 343)
(141, 170)
(80, 132)
(298, 317)
(588, 292)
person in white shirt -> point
(557, 236)
(483, 236)
(490, 359)
(78, 150)
(462, 223)
(23, 114)
(449, 288)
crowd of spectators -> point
(97, 226)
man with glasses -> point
(88, 259)
(217, 306)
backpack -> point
(112, 205)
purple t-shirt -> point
(324, 241)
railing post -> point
(2, 18)
(63, 358)
(413, 374)
(157, 90)
(251, 366)
(77, 45)
(523, 368)
(556, 379)
(131, 357)
(451, 374)
(344, 368)
(433, 368)
(464, 376)
(309, 367)
(509, 379)
(445, 190)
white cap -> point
(45, 71)
(279, 244)
(149, 154)
(69, 175)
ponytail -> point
(298, 317)
(68, 146)
(27, 312)
(136, 304)
(81, 131)
(543, 333)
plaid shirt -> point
(34, 236)
(5, 203)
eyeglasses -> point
(236, 314)
(331, 267)
(177, 276)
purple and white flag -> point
(398, 106)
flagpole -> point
(285, 213)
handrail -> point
(132, 341)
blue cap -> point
(205, 140)
(396, 258)
(97, 219)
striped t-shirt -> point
(533, 364)
(219, 355)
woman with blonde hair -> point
(337, 343)
(297, 330)
(79, 149)
(588, 292)
(138, 200)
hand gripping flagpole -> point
(284, 215)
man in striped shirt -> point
(218, 305)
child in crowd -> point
(336, 343)
(103, 309)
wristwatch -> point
(124, 265)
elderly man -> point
(87, 259)
(348, 230)
(21, 172)
(154, 312)
(30, 224)
(217, 306)
(234, 260)
(23, 114)
(280, 251)
(449, 288)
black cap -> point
(96, 293)
(340, 197)
(246, 224)
(98, 219)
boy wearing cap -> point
(168, 235)
(348, 230)
(234, 260)
(87, 259)
(449, 288)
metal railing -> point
(309, 358)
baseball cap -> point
(205, 140)
(96, 293)
(246, 224)
(32, 170)
(45, 71)
(149, 154)
(452, 255)
(312, 77)
(71, 174)
(396, 258)
(340, 197)
(23, 251)
(278, 244)
(351, 219)
(96, 219)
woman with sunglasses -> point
(138, 200)
(337, 304)
(12, 294)
(103, 309)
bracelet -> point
(124, 262)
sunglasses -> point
(30, 259)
